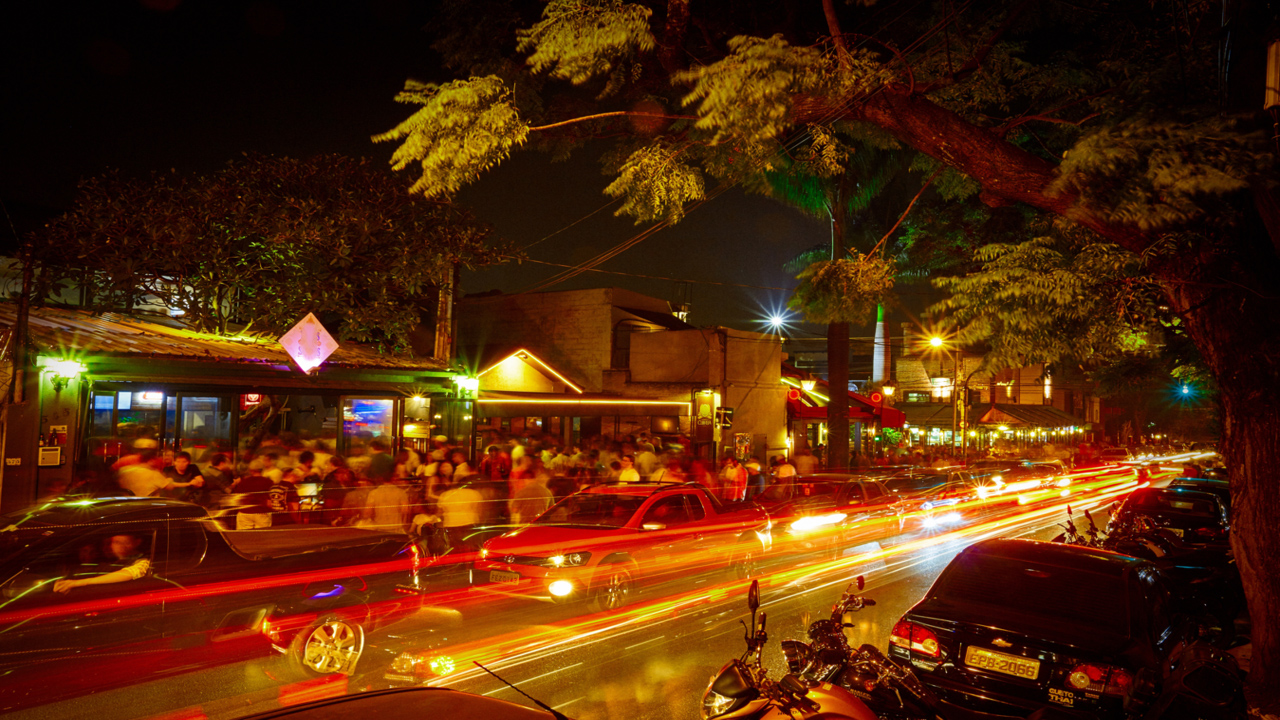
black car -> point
(830, 513)
(1013, 625)
(1196, 517)
(187, 594)
(1219, 487)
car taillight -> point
(1211, 532)
(1100, 679)
(914, 637)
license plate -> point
(500, 576)
(1014, 665)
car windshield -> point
(608, 509)
(1162, 502)
(1056, 594)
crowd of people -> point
(287, 480)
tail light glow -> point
(915, 637)
(1100, 679)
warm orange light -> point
(523, 354)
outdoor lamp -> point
(887, 389)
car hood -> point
(535, 539)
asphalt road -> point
(653, 659)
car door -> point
(80, 635)
(669, 536)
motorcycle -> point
(1071, 535)
(743, 689)
(889, 689)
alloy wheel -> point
(334, 646)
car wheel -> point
(615, 590)
(326, 647)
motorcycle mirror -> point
(861, 583)
(1068, 511)
(753, 596)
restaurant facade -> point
(94, 383)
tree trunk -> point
(1237, 330)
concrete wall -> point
(680, 356)
(571, 330)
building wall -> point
(571, 330)
(672, 356)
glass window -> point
(205, 426)
(696, 512)
(853, 493)
(140, 413)
(670, 511)
(103, 404)
(364, 419)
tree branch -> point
(619, 113)
(833, 27)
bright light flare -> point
(813, 522)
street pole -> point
(955, 397)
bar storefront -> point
(97, 382)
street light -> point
(937, 342)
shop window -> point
(364, 419)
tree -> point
(1106, 115)
(263, 241)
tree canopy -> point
(1112, 126)
(263, 241)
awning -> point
(1029, 416)
(586, 405)
(928, 415)
(862, 411)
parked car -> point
(1220, 488)
(1195, 516)
(830, 513)
(1012, 626)
(202, 595)
(598, 543)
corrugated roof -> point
(80, 332)
(1034, 415)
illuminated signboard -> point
(308, 343)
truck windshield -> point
(613, 510)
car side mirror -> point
(653, 526)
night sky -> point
(144, 85)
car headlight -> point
(575, 559)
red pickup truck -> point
(602, 541)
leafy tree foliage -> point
(1112, 119)
(262, 242)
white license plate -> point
(1014, 665)
(500, 576)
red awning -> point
(860, 410)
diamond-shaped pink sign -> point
(308, 343)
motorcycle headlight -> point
(714, 704)
(575, 559)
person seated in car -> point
(127, 550)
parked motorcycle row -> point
(1020, 628)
